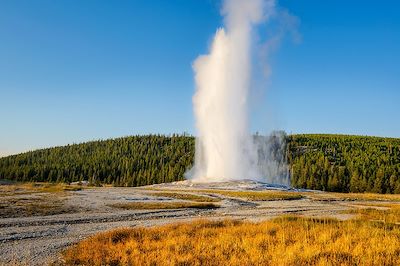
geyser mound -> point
(225, 148)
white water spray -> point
(225, 149)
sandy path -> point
(38, 240)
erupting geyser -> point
(225, 148)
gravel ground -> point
(38, 240)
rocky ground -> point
(37, 238)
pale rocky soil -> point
(38, 240)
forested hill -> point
(325, 162)
(128, 161)
(345, 163)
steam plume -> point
(225, 149)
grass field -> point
(163, 205)
(382, 213)
(249, 195)
(353, 196)
(282, 241)
(184, 196)
(260, 195)
(287, 195)
(37, 187)
(34, 199)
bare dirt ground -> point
(35, 226)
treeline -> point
(128, 161)
(324, 162)
(344, 163)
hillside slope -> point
(345, 163)
(128, 161)
(325, 162)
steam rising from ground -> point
(225, 148)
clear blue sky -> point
(72, 71)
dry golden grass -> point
(375, 212)
(283, 241)
(28, 188)
(259, 195)
(33, 206)
(163, 205)
(265, 195)
(32, 199)
(353, 196)
(54, 188)
(290, 195)
(185, 196)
